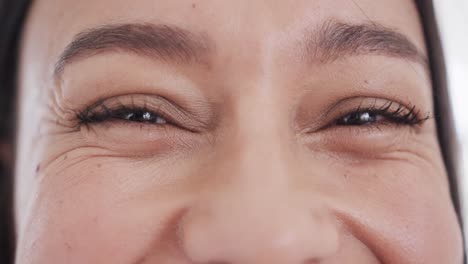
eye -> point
(136, 111)
(140, 124)
(141, 116)
(122, 113)
(360, 119)
(131, 109)
(390, 113)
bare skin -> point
(257, 142)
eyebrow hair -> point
(335, 40)
(163, 41)
(329, 42)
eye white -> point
(160, 120)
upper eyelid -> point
(339, 102)
(117, 100)
(397, 114)
(156, 104)
(104, 112)
(349, 105)
(132, 102)
(141, 102)
(387, 103)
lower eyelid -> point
(118, 123)
(123, 131)
(362, 141)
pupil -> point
(365, 117)
(143, 117)
(356, 119)
(146, 116)
(139, 116)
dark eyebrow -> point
(334, 40)
(163, 41)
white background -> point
(453, 22)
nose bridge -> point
(255, 215)
(262, 149)
(256, 165)
(251, 211)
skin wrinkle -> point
(173, 228)
(174, 113)
(56, 104)
(64, 119)
(351, 226)
(60, 157)
(353, 159)
(200, 112)
(142, 193)
(325, 116)
(354, 223)
(60, 108)
(358, 90)
(65, 154)
(171, 144)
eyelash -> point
(400, 115)
(123, 113)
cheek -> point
(406, 216)
(112, 210)
(431, 229)
(100, 215)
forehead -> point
(252, 24)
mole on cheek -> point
(194, 5)
(69, 247)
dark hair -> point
(12, 16)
